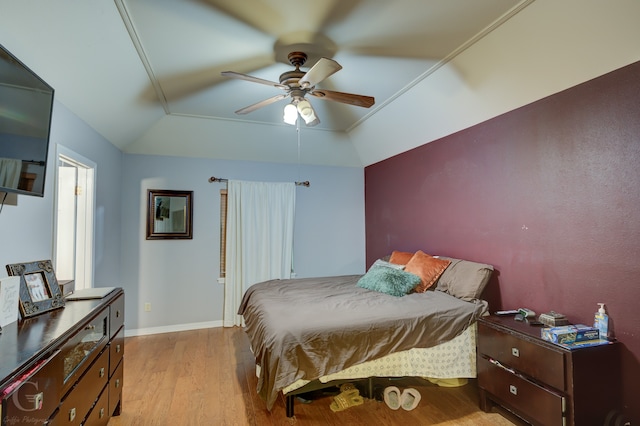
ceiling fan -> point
(297, 84)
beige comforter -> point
(308, 328)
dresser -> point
(541, 382)
(64, 367)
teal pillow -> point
(391, 281)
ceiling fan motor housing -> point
(291, 78)
(297, 59)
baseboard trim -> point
(171, 328)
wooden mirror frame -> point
(184, 220)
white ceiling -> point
(383, 47)
(145, 74)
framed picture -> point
(39, 289)
(169, 214)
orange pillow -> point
(400, 257)
(428, 268)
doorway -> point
(74, 218)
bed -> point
(315, 331)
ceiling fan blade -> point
(321, 70)
(173, 87)
(250, 108)
(345, 98)
(253, 79)
(254, 14)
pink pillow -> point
(428, 268)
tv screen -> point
(26, 104)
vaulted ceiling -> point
(144, 73)
(383, 46)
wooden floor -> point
(207, 377)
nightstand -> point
(541, 382)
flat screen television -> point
(26, 105)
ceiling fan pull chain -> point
(298, 134)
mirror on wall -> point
(169, 214)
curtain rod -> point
(215, 179)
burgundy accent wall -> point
(549, 194)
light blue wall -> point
(179, 277)
(26, 229)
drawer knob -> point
(72, 414)
(117, 383)
(513, 389)
(38, 399)
(102, 372)
(515, 352)
(118, 313)
(118, 348)
(101, 414)
(90, 327)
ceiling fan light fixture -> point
(313, 122)
(290, 114)
(306, 111)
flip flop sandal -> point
(346, 399)
(347, 386)
(391, 397)
(410, 398)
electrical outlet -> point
(147, 307)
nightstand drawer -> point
(531, 401)
(544, 363)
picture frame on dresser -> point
(39, 289)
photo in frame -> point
(39, 289)
(169, 214)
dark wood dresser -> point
(541, 382)
(64, 367)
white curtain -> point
(260, 217)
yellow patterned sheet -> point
(453, 359)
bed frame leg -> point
(289, 405)
(370, 388)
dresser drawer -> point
(80, 351)
(533, 402)
(544, 363)
(80, 399)
(116, 351)
(115, 389)
(116, 317)
(99, 415)
(34, 398)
